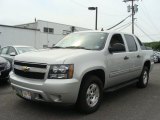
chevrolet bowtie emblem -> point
(25, 69)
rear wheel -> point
(143, 79)
(90, 95)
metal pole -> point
(132, 17)
(96, 18)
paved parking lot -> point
(128, 103)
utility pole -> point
(132, 17)
(96, 17)
(134, 8)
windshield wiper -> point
(78, 47)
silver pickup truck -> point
(80, 67)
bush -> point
(153, 45)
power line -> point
(148, 16)
(78, 3)
(144, 32)
(119, 23)
(123, 26)
(84, 6)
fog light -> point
(56, 98)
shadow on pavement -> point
(65, 110)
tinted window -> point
(4, 50)
(132, 46)
(141, 44)
(117, 39)
(11, 50)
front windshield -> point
(90, 41)
(25, 49)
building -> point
(38, 34)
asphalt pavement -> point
(129, 103)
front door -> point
(118, 62)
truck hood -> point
(54, 56)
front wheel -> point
(143, 79)
(90, 95)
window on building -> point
(132, 46)
(51, 30)
(48, 30)
(45, 30)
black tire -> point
(143, 79)
(82, 102)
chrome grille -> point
(30, 70)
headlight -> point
(64, 71)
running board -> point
(121, 85)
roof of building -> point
(19, 27)
(51, 22)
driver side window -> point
(116, 41)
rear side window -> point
(141, 44)
(132, 46)
(4, 51)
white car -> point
(9, 52)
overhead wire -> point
(147, 15)
(123, 26)
(78, 3)
(84, 6)
(119, 23)
(143, 32)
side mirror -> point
(53, 45)
(12, 54)
(118, 47)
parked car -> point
(5, 68)
(9, 52)
(156, 57)
(80, 67)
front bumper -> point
(50, 90)
(4, 74)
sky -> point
(76, 13)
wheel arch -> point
(147, 64)
(100, 73)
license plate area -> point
(26, 94)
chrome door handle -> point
(126, 58)
(138, 56)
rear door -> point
(135, 55)
(118, 62)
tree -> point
(154, 45)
